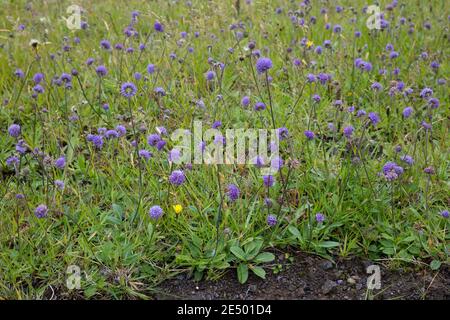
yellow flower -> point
(309, 44)
(178, 208)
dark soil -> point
(311, 277)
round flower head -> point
(151, 68)
(245, 101)
(320, 217)
(41, 211)
(426, 92)
(271, 220)
(268, 181)
(348, 131)
(210, 75)
(407, 112)
(429, 170)
(233, 192)
(155, 212)
(283, 133)
(145, 154)
(158, 26)
(153, 139)
(59, 184)
(101, 71)
(309, 134)
(259, 106)
(444, 214)
(121, 130)
(38, 77)
(60, 163)
(110, 134)
(12, 161)
(128, 90)
(374, 118)
(19, 73)
(263, 64)
(177, 177)
(407, 159)
(105, 44)
(14, 130)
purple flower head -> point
(210, 75)
(393, 55)
(260, 106)
(41, 211)
(283, 133)
(216, 124)
(311, 78)
(21, 147)
(105, 44)
(263, 65)
(153, 139)
(97, 141)
(60, 163)
(276, 163)
(407, 112)
(160, 145)
(121, 130)
(160, 91)
(444, 214)
(233, 192)
(429, 170)
(145, 154)
(59, 184)
(14, 130)
(309, 134)
(426, 92)
(101, 71)
(268, 181)
(158, 26)
(434, 103)
(174, 155)
(177, 177)
(316, 98)
(271, 220)
(377, 86)
(12, 161)
(337, 28)
(348, 131)
(89, 61)
(151, 68)
(407, 159)
(38, 88)
(245, 101)
(392, 171)
(155, 212)
(374, 118)
(320, 217)
(110, 134)
(19, 73)
(38, 77)
(128, 90)
(434, 65)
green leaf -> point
(258, 271)
(293, 229)
(251, 249)
(265, 257)
(239, 253)
(329, 244)
(435, 265)
(242, 273)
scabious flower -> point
(177, 177)
(41, 211)
(110, 134)
(374, 118)
(38, 88)
(444, 214)
(101, 71)
(210, 75)
(97, 141)
(174, 155)
(153, 139)
(245, 101)
(59, 184)
(12, 161)
(316, 98)
(268, 181)
(19, 73)
(121, 130)
(21, 147)
(320, 217)
(348, 131)
(271, 220)
(233, 192)
(160, 145)
(60, 163)
(128, 90)
(38, 77)
(105, 44)
(407, 159)
(429, 170)
(283, 133)
(263, 64)
(145, 154)
(434, 103)
(377, 86)
(160, 91)
(14, 130)
(260, 106)
(309, 134)
(155, 212)
(426, 92)
(407, 112)
(151, 68)
(311, 78)
(158, 26)
(392, 171)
